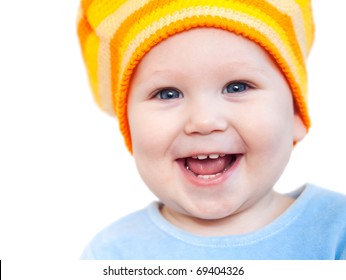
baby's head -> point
(210, 95)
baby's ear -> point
(299, 129)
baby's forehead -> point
(215, 49)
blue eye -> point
(236, 87)
(167, 94)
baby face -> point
(212, 123)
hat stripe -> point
(106, 30)
(293, 10)
(308, 21)
(114, 20)
(90, 49)
(99, 10)
(84, 30)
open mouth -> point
(211, 166)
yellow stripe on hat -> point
(91, 51)
(90, 48)
(101, 9)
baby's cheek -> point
(149, 144)
(267, 132)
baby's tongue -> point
(208, 166)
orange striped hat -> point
(116, 34)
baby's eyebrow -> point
(160, 75)
(246, 70)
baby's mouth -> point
(209, 166)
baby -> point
(211, 97)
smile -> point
(209, 169)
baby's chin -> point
(203, 214)
(209, 213)
(203, 223)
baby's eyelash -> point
(237, 87)
(168, 94)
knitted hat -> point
(116, 34)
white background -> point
(64, 170)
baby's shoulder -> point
(324, 197)
(118, 237)
(327, 204)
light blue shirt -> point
(314, 227)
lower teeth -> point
(205, 177)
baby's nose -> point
(205, 118)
